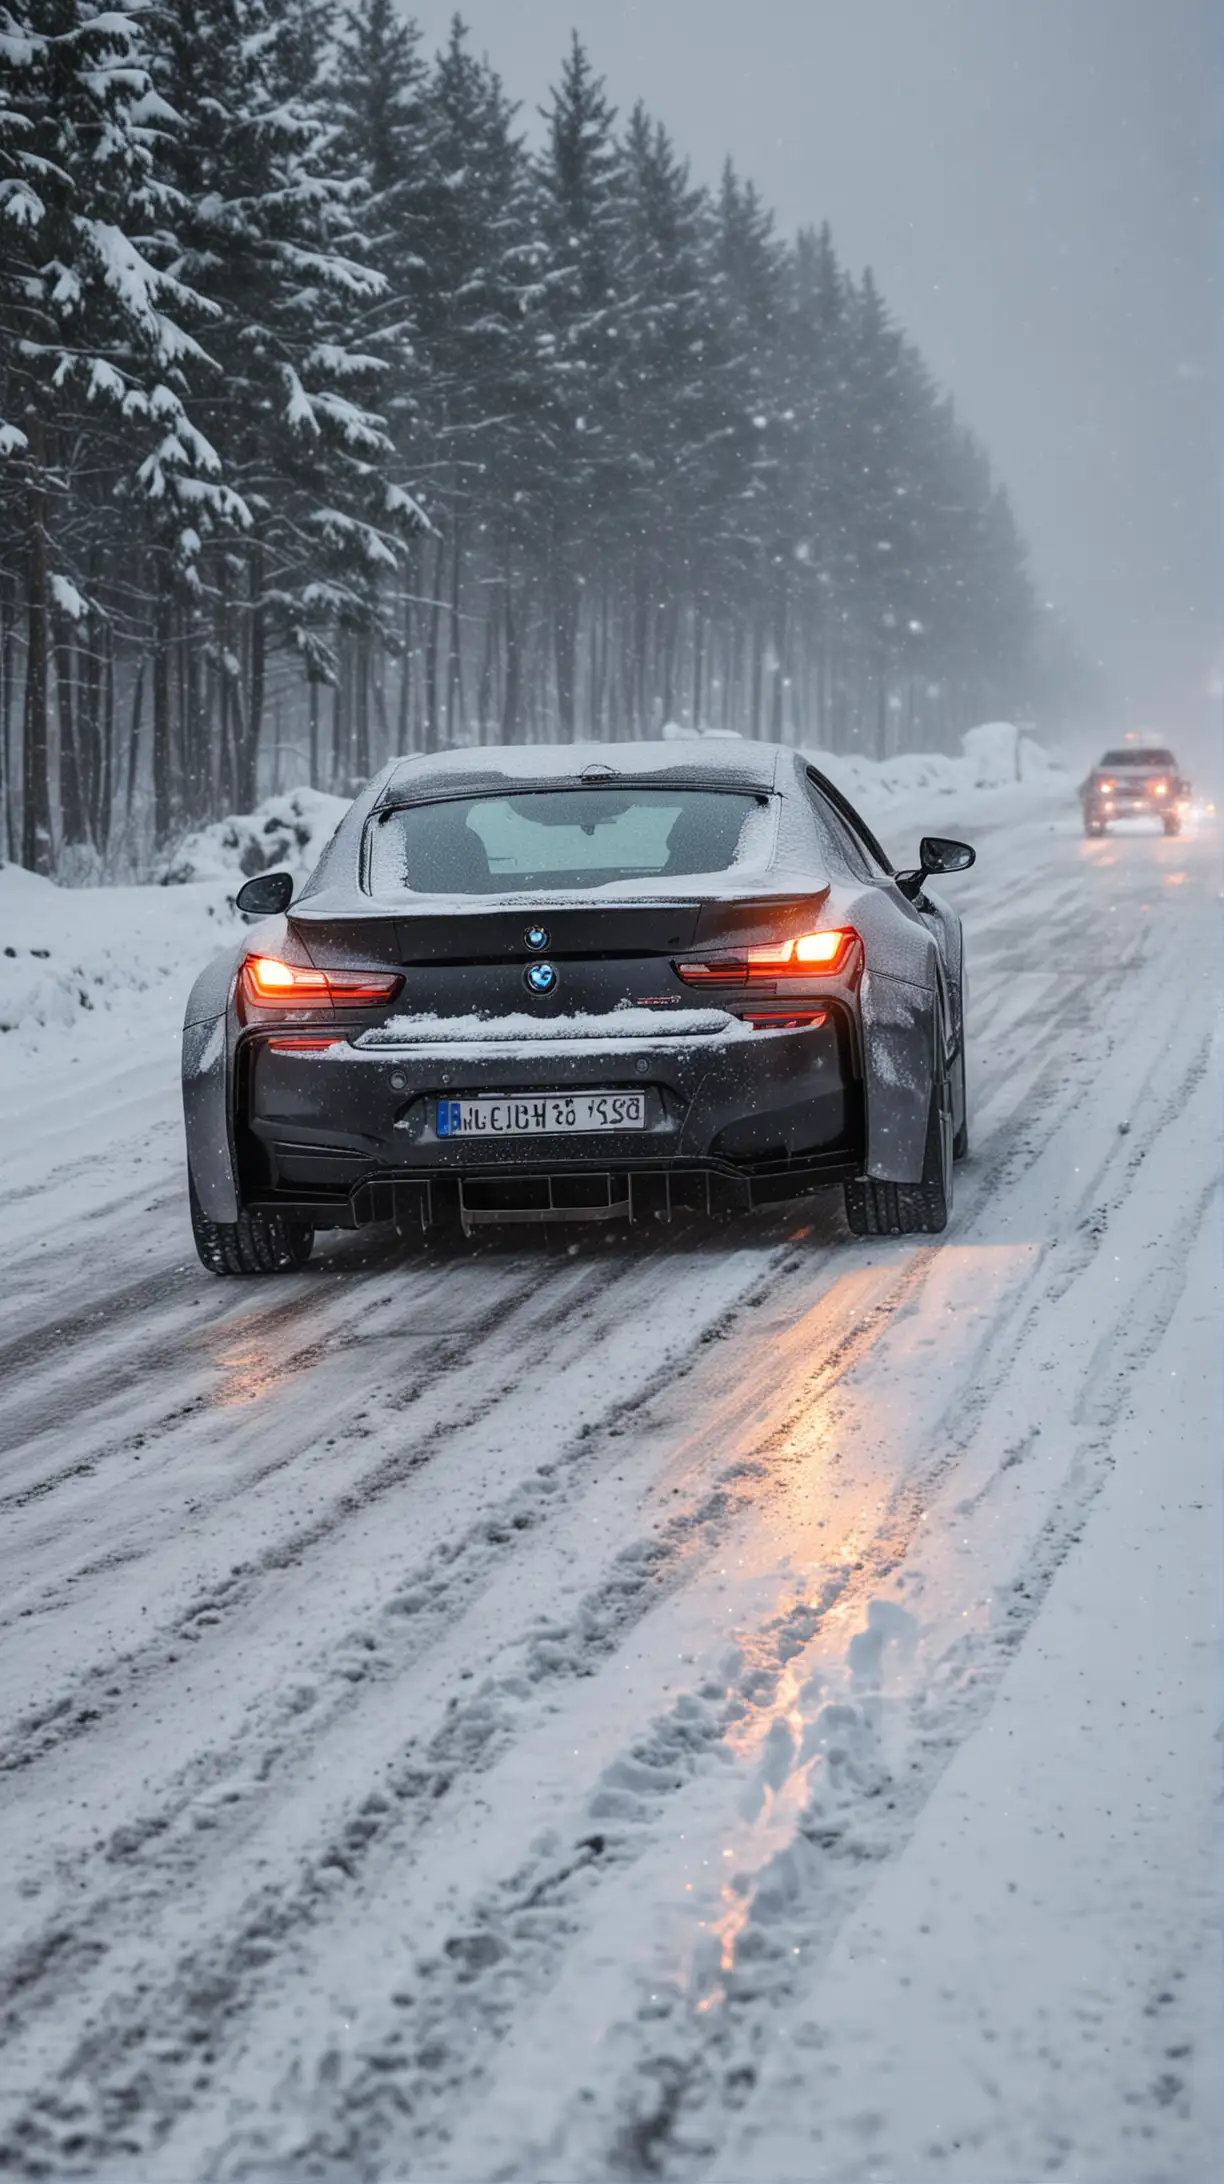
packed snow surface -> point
(703, 1702)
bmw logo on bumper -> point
(539, 978)
(536, 936)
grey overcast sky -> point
(1037, 186)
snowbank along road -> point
(720, 1702)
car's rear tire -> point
(911, 1209)
(1171, 822)
(256, 1243)
(1094, 826)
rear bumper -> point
(349, 1134)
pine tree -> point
(265, 240)
(579, 350)
(673, 425)
(474, 341)
(96, 317)
(747, 275)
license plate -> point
(542, 1114)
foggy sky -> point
(1036, 184)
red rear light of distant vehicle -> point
(774, 959)
(1107, 784)
(272, 984)
(1160, 788)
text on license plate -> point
(542, 1114)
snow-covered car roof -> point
(730, 765)
(794, 861)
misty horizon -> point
(1044, 226)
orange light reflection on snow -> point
(824, 1539)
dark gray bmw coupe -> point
(579, 983)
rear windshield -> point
(1134, 757)
(563, 839)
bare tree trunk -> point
(162, 754)
(454, 660)
(105, 807)
(361, 751)
(756, 675)
(406, 678)
(89, 707)
(8, 782)
(248, 771)
(566, 604)
(432, 722)
(636, 681)
(37, 845)
(190, 738)
(781, 632)
(699, 631)
(601, 639)
(134, 725)
(337, 742)
(669, 637)
(380, 707)
(514, 666)
(484, 693)
(71, 797)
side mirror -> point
(936, 854)
(266, 895)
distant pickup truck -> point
(1137, 782)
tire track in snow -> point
(496, 1527)
(472, 1724)
(1052, 1277)
(694, 2056)
(471, 1741)
(39, 1733)
(686, 2098)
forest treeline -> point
(341, 415)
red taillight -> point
(1107, 784)
(271, 984)
(1160, 788)
(775, 959)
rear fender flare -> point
(210, 1043)
(210, 1034)
(208, 1115)
(900, 1022)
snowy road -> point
(727, 1703)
